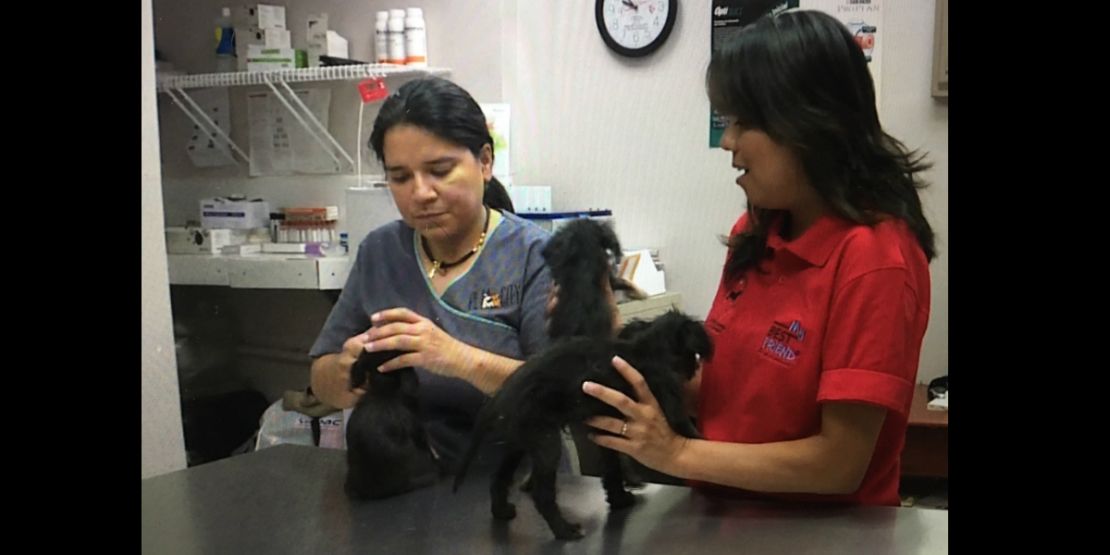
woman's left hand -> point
(431, 348)
(644, 433)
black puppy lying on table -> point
(545, 394)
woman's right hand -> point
(331, 374)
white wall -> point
(630, 135)
(162, 440)
(910, 113)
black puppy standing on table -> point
(545, 394)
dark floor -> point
(928, 493)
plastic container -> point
(381, 38)
(396, 37)
(225, 43)
(416, 38)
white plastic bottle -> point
(381, 42)
(396, 37)
(225, 43)
(416, 38)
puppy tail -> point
(481, 425)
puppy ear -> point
(696, 339)
(561, 248)
(610, 242)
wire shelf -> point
(299, 75)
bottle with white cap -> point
(381, 32)
(225, 43)
(396, 37)
(416, 38)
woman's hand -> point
(331, 375)
(431, 348)
(644, 433)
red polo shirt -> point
(839, 316)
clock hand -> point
(630, 5)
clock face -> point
(635, 27)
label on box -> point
(222, 213)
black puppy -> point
(545, 395)
(582, 255)
(387, 447)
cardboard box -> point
(225, 213)
(265, 38)
(639, 268)
(260, 58)
(337, 45)
(316, 28)
(530, 199)
(196, 240)
(319, 40)
(261, 16)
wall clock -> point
(635, 28)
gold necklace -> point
(440, 266)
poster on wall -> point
(279, 144)
(206, 151)
(862, 17)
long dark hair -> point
(800, 77)
(447, 111)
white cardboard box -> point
(337, 45)
(316, 28)
(196, 240)
(224, 213)
(262, 16)
(265, 38)
(638, 267)
(260, 58)
(268, 38)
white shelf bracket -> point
(201, 119)
(176, 85)
(315, 130)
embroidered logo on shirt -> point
(490, 300)
(782, 341)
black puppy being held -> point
(581, 256)
(387, 448)
(545, 395)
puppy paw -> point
(569, 531)
(622, 500)
(504, 512)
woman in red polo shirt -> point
(824, 298)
